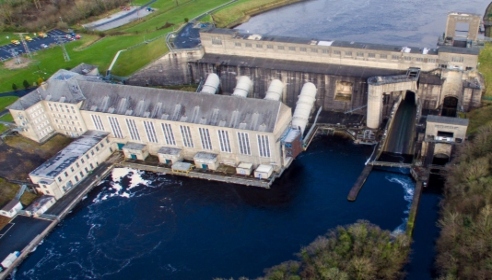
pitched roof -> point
(207, 109)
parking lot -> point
(34, 45)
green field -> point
(100, 51)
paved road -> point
(34, 45)
(19, 233)
(188, 36)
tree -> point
(26, 84)
(14, 87)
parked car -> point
(42, 35)
(44, 46)
(15, 42)
(28, 38)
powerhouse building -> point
(140, 121)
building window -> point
(457, 59)
(337, 52)
(395, 57)
(132, 127)
(81, 174)
(292, 48)
(205, 138)
(92, 166)
(97, 122)
(115, 127)
(269, 46)
(86, 170)
(186, 135)
(260, 46)
(302, 49)
(419, 59)
(371, 55)
(244, 148)
(249, 45)
(348, 53)
(66, 174)
(168, 134)
(76, 178)
(97, 150)
(314, 50)
(280, 47)
(224, 143)
(237, 44)
(325, 51)
(71, 168)
(59, 179)
(360, 54)
(77, 164)
(263, 146)
(216, 41)
(383, 56)
(82, 160)
(149, 129)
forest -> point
(41, 15)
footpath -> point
(24, 233)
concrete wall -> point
(232, 158)
(228, 43)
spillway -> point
(401, 133)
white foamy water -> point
(408, 190)
(117, 188)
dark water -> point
(178, 228)
(405, 23)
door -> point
(204, 166)
(120, 146)
(133, 156)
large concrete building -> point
(144, 121)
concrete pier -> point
(354, 191)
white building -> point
(235, 129)
(67, 168)
(11, 208)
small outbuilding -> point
(11, 209)
(263, 171)
(169, 155)
(40, 205)
(244, 168)
(207, 161)
(135, 151)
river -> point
(142, 225)
(139, 225)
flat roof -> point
(39, 203)
(134, 146)
(205, 156)
(169, 151)
(264, 168)
(245, 35)
(64, 158)
(447, 120)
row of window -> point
(186, 135)
(348, 54)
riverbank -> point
(241, 12)
(55, 214)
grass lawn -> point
(6, 101)
(7, 118)
(485, 67)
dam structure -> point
(351, 77)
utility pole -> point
(14, 54)
(26, 48)
(60, 41)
